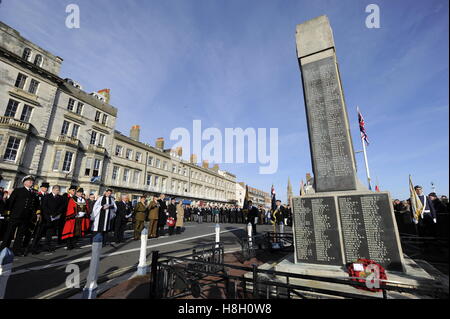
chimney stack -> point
(135, 132)
(216, 167)
(179, 151)
(193, 159)
(205, 164)
(160, 143)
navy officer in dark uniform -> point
(252, 214)
(427, 219)
(23, 204)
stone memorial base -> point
(414, 275)
(337, 228)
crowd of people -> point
(28, 214)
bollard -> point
(250, 234)
(90, 290)
(142, 268)
(217, 235)
(6, 261)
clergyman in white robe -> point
(104, 211)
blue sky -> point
(232, 63)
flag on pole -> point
(245, 205)
(416, 203)
(362, 128)
(302, 188)
(274, 204)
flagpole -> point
(365, 156)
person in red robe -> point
(77, 217)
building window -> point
(75, 130)
(115, 172)
(126, 172)
(26, 54)
(87, 171)
(101, 140)
(156, 181)
(11, 109)
(164, 183)
(20, 81)
(138, 156)
(104, 119)
(38, 60)
(93, 138)
(119, 150)
(79, 108)
(97, 116)
(65, 128)
(128, 154)
(150, 160)
(57, 160)
(26, 113)
(148, 182)
(97, 167)
(71, 104)
(136, 176)
(158, 163)
(33, 86)
(67, 162)
(12, 148)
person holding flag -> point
(250, 211)
(422, 209)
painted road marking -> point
(115, 253)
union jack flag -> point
(362, 129)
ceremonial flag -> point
(274, 204)
(362, 128)
(377, 189)
(302, 188)
(416, 203)
(245, 206)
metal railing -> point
(191, 275)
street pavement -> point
(39, 276)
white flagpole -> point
(365, 155)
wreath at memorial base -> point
(362, 268)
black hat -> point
(432, 194)
(417, 186)
(47, 185)
(73, 187)
(80, 190)
(28, 177)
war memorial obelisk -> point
(342, 221)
